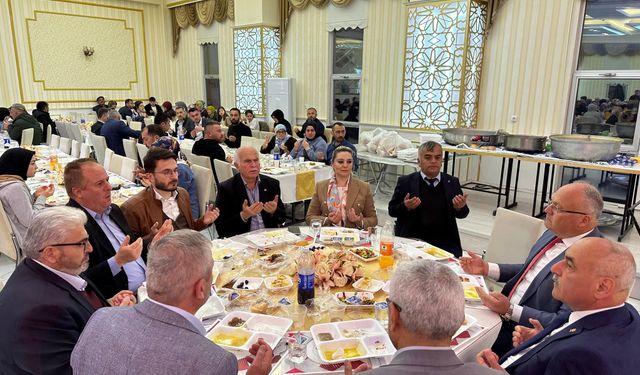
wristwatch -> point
(507, 316)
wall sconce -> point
(88, 51)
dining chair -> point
(8, 241)
(65, 145)
(27, 137)
(130, 149)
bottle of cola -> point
(305, 276)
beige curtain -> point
(319, 3)
(205, 11)
(494, 7)
(220, 12)
(192, 14)
(175, 28)
(341, 3)
(230, 9)
(181, 18)
(299, 4)
(285, 12)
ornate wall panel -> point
(257, 57)
(441, 73)
(97, 71)
(47, 39)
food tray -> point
(470, 293)
(373, 287)
(370, 339)
(339, 235)
(360, 295)
(274, 170)
(468, 322)
(224, 250)
(251, 283)
(214, 306)
(272, 238)
(359, 257)
(255, 326)
(269, 280)
(423, 250)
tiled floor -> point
(474, 230)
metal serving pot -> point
(591, 128)
(584, 147)
(625, 129)
(455, 136)
(524, 143)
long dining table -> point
(245, 256)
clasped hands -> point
(521, 334)
(252, 210)
(335, 217)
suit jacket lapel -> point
(543, 274)
(352, 193)
(62, 284)
(414, 186)
(94, 230)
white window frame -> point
(334, 77)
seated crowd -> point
(71, 304)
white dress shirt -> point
(521, 289)
(573, 317)
(169, 205)
(77, 282)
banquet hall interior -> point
(518, 100)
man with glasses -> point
(163, 199)
(117, 259)
(426, 308)
(47, 301)
(571, 215)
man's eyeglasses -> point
(82, 243)
(168, 172)
(390, 302)
(554, 207)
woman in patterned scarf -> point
(343, 200)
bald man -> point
(600, 335)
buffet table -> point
(244, 260)
(548, 164)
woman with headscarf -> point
(311, 147)
(16, 165)
(199, 104)
(280, 141)
(278, 118)
(343, 200)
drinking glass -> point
(297, 349)
(297, 313)
(316, 227)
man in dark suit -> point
(41, 113)
(179, 283)
(118, 259)
(127, 109)
(571, 215)
(427, 203)
(209, 146)
(248, 200)
(152, 108)
(103, 116)
(426, 308)
(600, 335)
(99, 104)
(46, 302)
(198, 123)
(114, 131)
(182, 120)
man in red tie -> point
(572, 214)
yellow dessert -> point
(436, 252)
(227, 339)
(471, 292)
(340, 353)
(221, 254)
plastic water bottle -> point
(306, 273)
(276, 157)
(180, 134)
(387, 238)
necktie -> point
(431, 181)
(533, 262)
(93, 298)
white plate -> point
(362, 295)
(419, 250)
(237, 314)
(373, 287)
(374, 257)
(253, 283)
(269, 280)
(339, 235)
(469, 279)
